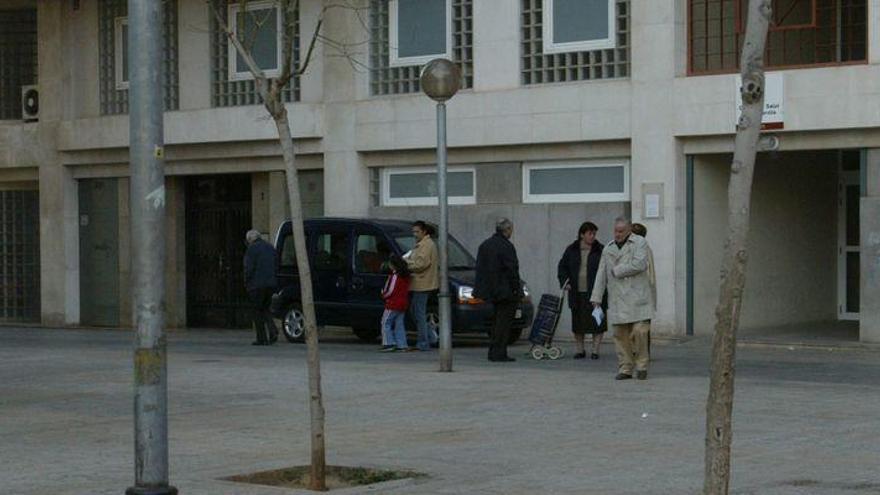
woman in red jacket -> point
(396, 296)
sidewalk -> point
(805, 420)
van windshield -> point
(459, 258)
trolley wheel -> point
(537, 353)
(554, 353)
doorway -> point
(99, 252)
(848, 231)
(218, 214)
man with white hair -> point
(624, 270)
(260, 282)
(497, 281)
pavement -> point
(805, 419)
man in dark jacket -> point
(498, 282)
(259, 280)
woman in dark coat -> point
(577, 273)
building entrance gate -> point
(218, 214)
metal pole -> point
(443, 300)
(148, 247)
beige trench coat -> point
(626, 273)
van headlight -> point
(466, 295)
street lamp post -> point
(440, 80)
(148, 249)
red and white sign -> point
(774, 114)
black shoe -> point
(580, 355)
(594, 355)
(642, 374)
(623, 376)
(506, 359)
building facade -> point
(570, 111)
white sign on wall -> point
(774, 114)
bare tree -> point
(271, 93)
(719, 406)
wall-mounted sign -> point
(774, 114)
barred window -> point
(19, 256)
(802, 33)
(261, 28)
(18, 58)
(390, 53)
(113, 22)
(576, 51)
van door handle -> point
(340, 282)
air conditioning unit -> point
(30, 103)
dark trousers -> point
(264, 325)
(500, 333)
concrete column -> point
(59, 207)
(260, 202)
(873, 31)
(278, 202)
(346, 179)
(869, 286)
(496, 44)
(82, 98)
(59, 246)
(311, 84)
(194, 46)
(656, 156)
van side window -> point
(371, 255)
(288, 252)
(330, 251)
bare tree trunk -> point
(271, 93)
(316, 406)
(719, 406)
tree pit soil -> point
(338, 477)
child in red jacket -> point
(396, 296)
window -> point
(229, 90)
(419, 31)
(578, 25)
(113, 56)
(576, 182)
(372, 253)
(570, 49)
(418, 186)
(288, 253)
(402, 76)
(121, 53)
(331, 251)
(802, 33)
(18, 58)
(258, 27)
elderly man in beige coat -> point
(624, 271)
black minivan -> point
(348, 258)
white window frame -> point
(394, 60)
(234, 73)
(387, 200)
(118, 56)
(577, 46)
(528, 197)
